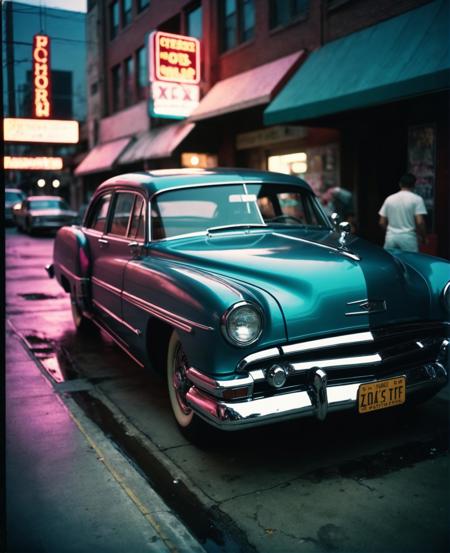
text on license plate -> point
(382, 394)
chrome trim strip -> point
(116, 341)
(312, 242)
(106, 286)
(319, 343)
(172, 318)
(342, 362)
(116, 318)
(328, 342)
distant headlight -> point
(446, 296)
(242, 324)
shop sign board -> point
(56, 131)
(174, 62)
(173, 99)
(37, 163)
(41, 76)
(271, 135)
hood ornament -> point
(345, 230)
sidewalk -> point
(67, 488)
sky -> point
(73, 5)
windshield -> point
(48, 204)
(199, 209)
(13, 196)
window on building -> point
(194, 23)
(283, 12)
(113, 19)
(142, 4)
(129, 81)
(116, 86)
(237, 22)
(127, 13)
(141, 73)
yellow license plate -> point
(382, 394)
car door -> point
(112, 252)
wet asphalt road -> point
(376, 483)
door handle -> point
(103, 242)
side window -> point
(97, 217)
(137, 225)
(121, 213)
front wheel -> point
(178, 385)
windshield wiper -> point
(236, 227)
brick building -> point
(347, 94)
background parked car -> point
(43, 213)
(12, 196)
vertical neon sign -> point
(41, 76)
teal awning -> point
(404, 56)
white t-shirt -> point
(400, 210)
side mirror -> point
(345, 229)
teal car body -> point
(255, 313)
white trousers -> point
(405, 242)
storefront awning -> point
(157, 143)
(404, 56)
(248, 89)
(102, 157)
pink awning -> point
(102, 157)
(252, 88)
(156, 143)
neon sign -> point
(174, 58)
(40, 130)
(41, 76)
(33, 163)
(174, 74)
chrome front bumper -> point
(210, 398)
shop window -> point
(127, 12)
(237, 22)
(142, 4)
(194, 22)
(128, 81)
(116, 86)
(285, 11)
(113, 19)
(141, 73)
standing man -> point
(402, 217)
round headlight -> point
(242, 324)
(446, 296)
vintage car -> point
(257, 307)
(43, 213)
(13, 196)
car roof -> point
(14, 190)
(164, 179)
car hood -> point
(320, 288)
